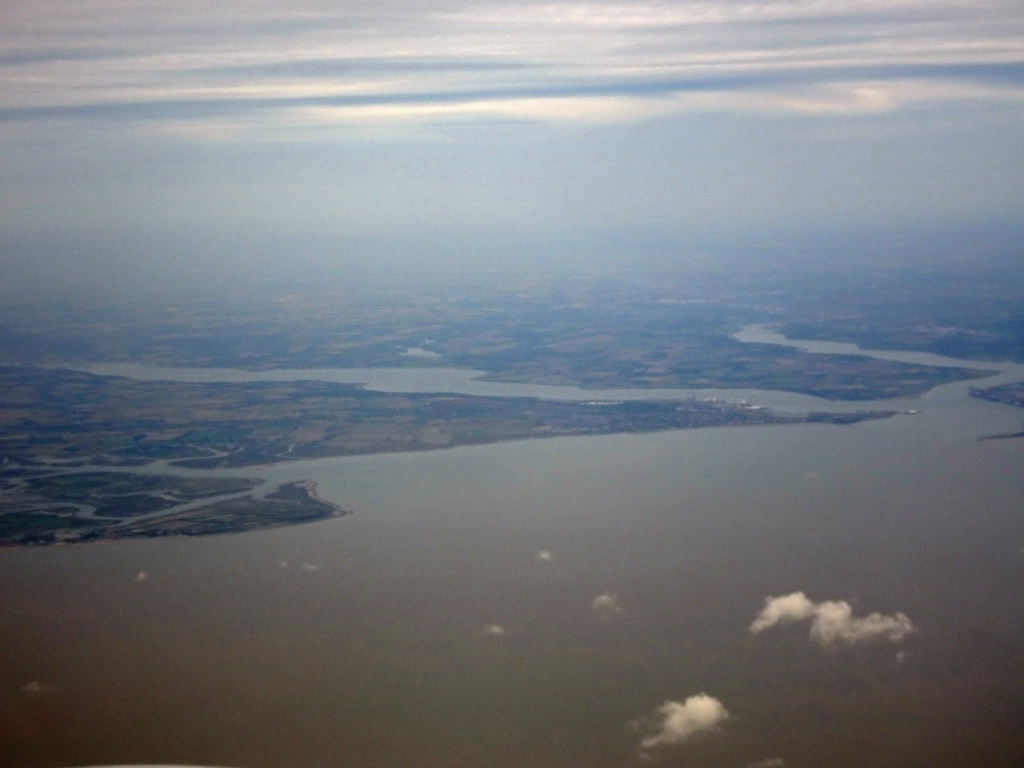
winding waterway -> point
(472, 382)
(372, 641)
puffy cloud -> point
(832, 621)
(606, 606)
(493, 630)
(675, 722)
(792, 607)
(545, 556)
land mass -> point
(1010, 394)
(62, 430)
(291, 504)
(68, 415)
(74, 446)
(620, 330)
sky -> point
(140, 135)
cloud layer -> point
(675, 722)
(832, 621)
(148, 135)
(562, 61)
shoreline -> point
(292, 503)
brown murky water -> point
(428, 630)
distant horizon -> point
(46, 267)
(142, 142)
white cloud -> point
(832, 621)
(141, 576)
(567, 109)
(493, 630)
(545, 556)
(675, 722)
(606, 606)
(792, 607)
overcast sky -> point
(152, 130)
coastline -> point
(292, 503)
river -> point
(451, 621)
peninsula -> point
(80, 452)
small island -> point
(1010, 394)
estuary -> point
(535, 603)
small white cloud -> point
(420, 352)
(792, 607)
(832, 621)
(545, 556)
(606, 606)
(675, 722)
(141, 576)
(493, 630)
(310, 567)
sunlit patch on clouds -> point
(647, 15)
(589, 109)
(830, 99)
(676, 722)
(832, 621)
